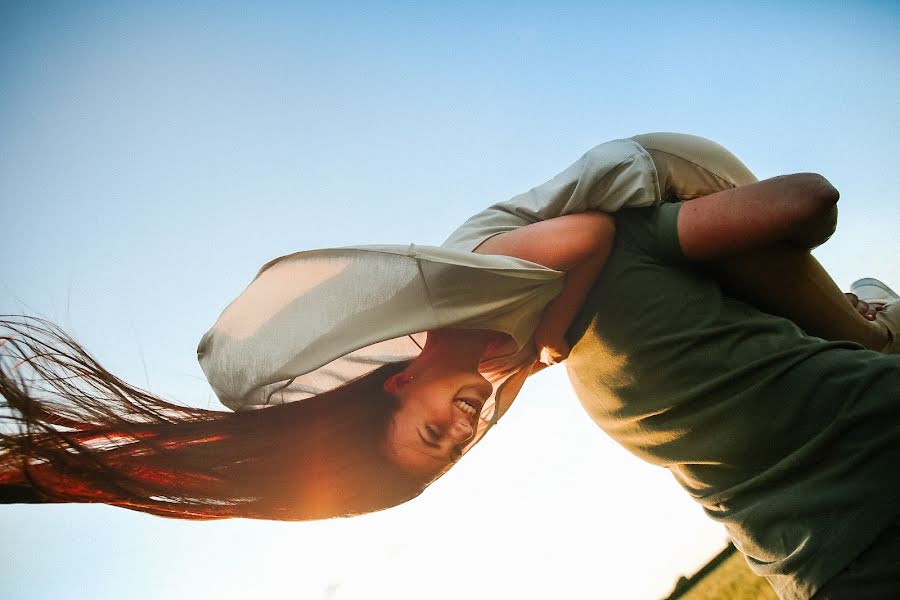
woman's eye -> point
(432, 432)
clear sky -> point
(154, 155)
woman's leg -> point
(783, 280)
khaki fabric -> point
(689, 166)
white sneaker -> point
(869, 289)
(872, 290)
(890, 318)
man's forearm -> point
(791, 209)
(816, 230)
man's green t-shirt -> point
(791, 442)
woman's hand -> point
(551, 345)
(867, 309)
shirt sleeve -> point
(614, 175)
(315, 320)
(666, 224)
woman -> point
(263, 350)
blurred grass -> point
(732, 579)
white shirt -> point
(312, 321)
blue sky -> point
(154, 155)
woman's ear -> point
(395, 382)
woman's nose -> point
(460, 431)
(485, 387)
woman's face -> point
(437, 415)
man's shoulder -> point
(652, 230)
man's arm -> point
(798, 210)
(756, 238)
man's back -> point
(780, 436)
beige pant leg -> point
(782, 280)
(689, 166)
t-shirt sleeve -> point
(617, 174)
(666, 225)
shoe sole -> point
(869, 289)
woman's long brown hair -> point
(70, 431)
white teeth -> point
(464, 407)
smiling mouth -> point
(470, 408)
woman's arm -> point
(578, 244)
(549, 336)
